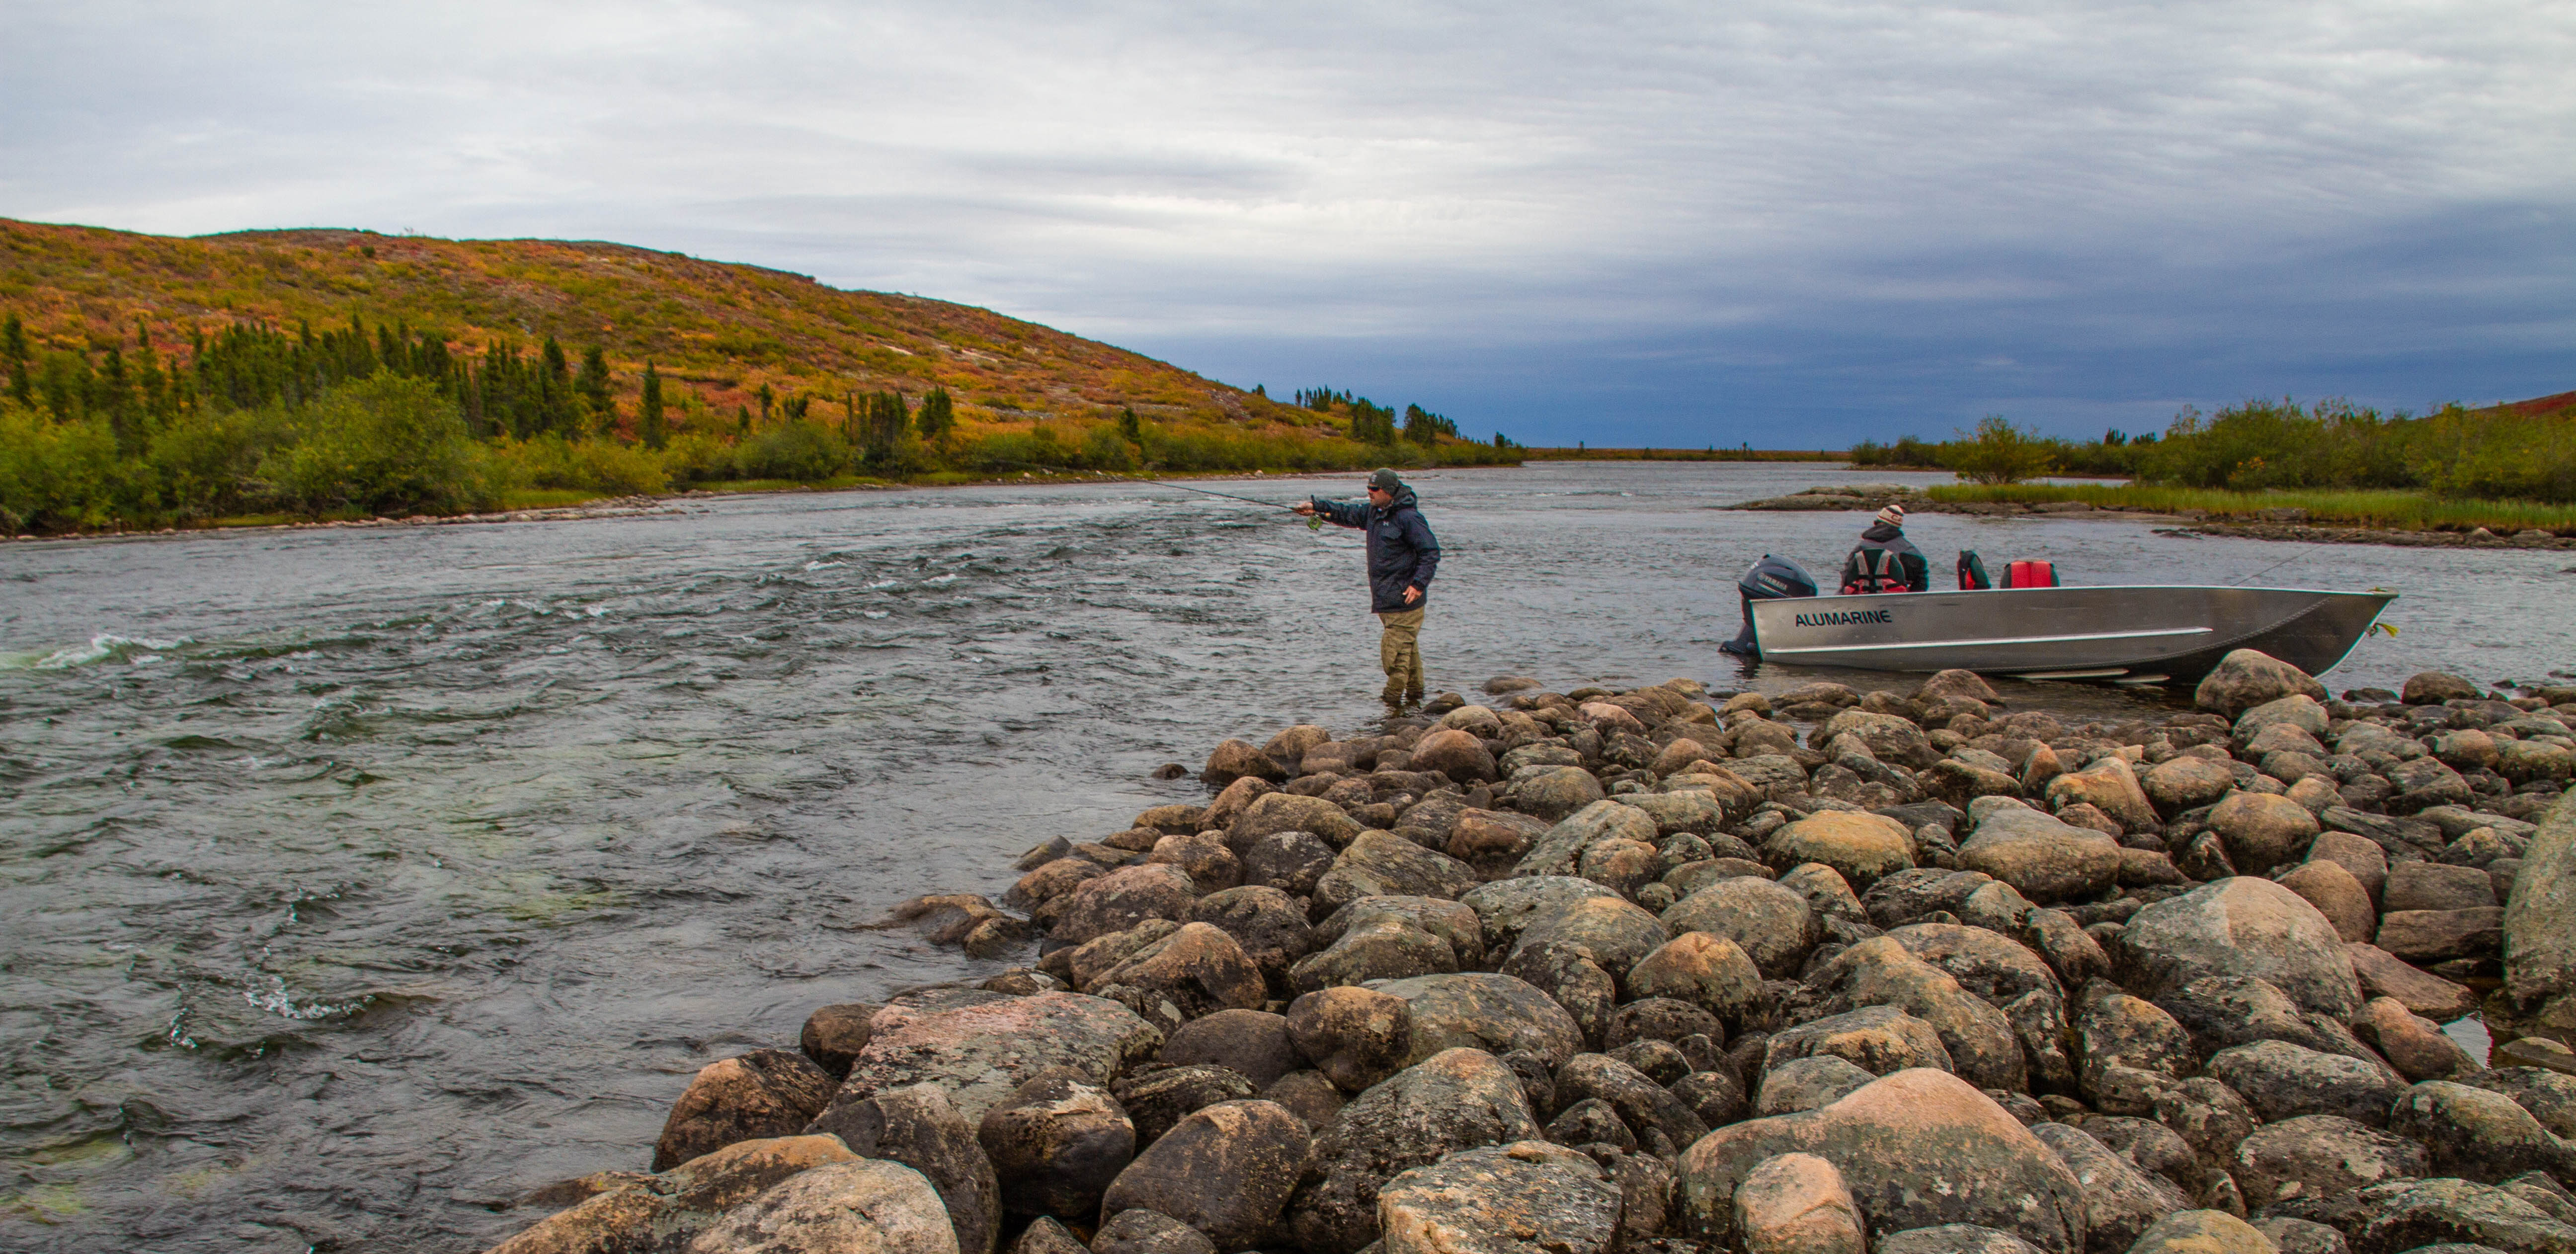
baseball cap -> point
(1384, 480)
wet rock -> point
(2109, 786)
(2202, 1232)
(1897, 1143)
(2283, 1081)
(641, 1211)
(865, 1205)
(1704, 970)
(2337, 896)
(765, 1093)
(1380, 864)
(2478, 1134)
(2382, 974)
(1455, 1100)
(916, 1126)
(1772, 925)
(1808, 1083)
(1277, 812)
(1354, 1036)
(1055, 1143)
(1527, 1197)
(1646, 1107)
(2321, 1156)
(1555, 792)
(1266, 924)
(1796, 1204)
(1226, 1170)
(2120, 1201)
(2239, 926)
(2413, 1214)
(1881, 1040)
(1140, 1231)
(1120, 900)
(834, 1035)
(2415, 1046)
(2247, 678)
(1978, 1038)
(2435, 935)
(2043, 859)
(980, 1053)
(1859, 847)
(1234, 759)
(1252, 1042)
(2262, 831)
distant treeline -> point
(1711, 453)
(356, 421)
(2509, 452)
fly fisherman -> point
(1402, 553)
(1884, 560)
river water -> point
(355, 882)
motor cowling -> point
(1771, 579)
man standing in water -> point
(1402, 553)
(1884, 560)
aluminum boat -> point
(2126, 635)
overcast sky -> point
(1783, 224)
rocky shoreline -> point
(2273, 524)
(1666, 971)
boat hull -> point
(2139, 634)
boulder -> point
(1055, 1144)
(1570, 978)
(2423, 783)
(1808, 1083)
(2238, 926)
(1460, 755)
(1203, 856)
(2539, 945)
(1880, 972)
(2415, 1046)
(1493, 841)
(1772, 925)
(1958, 783)
(1199, 968)
(980, 1053)
(1881, 1040)
(1796, 1204)
(1382, 864)
(918, 1127)
(1455, 1100)
(1291, 744)
(1645, 1106)
(2222, 1011)
(2359, 855)
(2436, 687)
(1527, 1197)
(1121, 899)
(1496, 1013)
(1267, 925)
(2382, 974)
(2043, 859)
(1954, 1239)
(2550, 1096)
(2284, 1081)
(1554, 792)
(1704, 970)
(640, 1212)
(1917, 1149)
(2478, 1134)
(1956, 683)
(1505, 908)
(2202, 1232)
(2110, 787)
(1860, 847)
(2120, 1201)
(1560, 851)
(1289, 862)
(1226, 1170)
(2337, 896)
(1234, 759)
(833, 1035)
(2132, 1050)
(2262, 831)
(1611, 932)
(765, 1093)
(863, 1205)
(1272, 813)
(2247, 678)
(2434, 886)
(1158, 1098)
(1379, 946)
(2436, 935)
(2321, 1156)
(1141, 1231)
(1891, 739)
(2414, 1214)
(2186, 783)
(1355, 1036)
(1253, 1042)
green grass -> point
(2390, 509)
(547, 498)
(1679, 455)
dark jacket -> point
(1402, 552)
(1909, 560)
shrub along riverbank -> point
(2389, 510)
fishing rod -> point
(1315, 523)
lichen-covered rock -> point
(2120, 1201)
(1808, 1083)
(641, 1212)
(1772, 925)
(2238, 926)
(1226, 1170)
(2383, 974)
(2202, 1232)
(1860, 847)
(1137, 1230)
(916, 1126)
(1290, 862)
(1159, 1098)
(2409, 1215)
(1505, 908)
(859, 1207)
(1881, 1040)
(2109, 786)
(2539, 943)
(1554, 792)
(1917, 1149)
(2186, 783)
(1560, 850)
(1055, 1143)
(2550, 1096)
(1354, 1036)
(1382, 946)
(1272, 813)
(2283, 1081)
(1491, 1012)
(1265, 922)
(2247, 678)
(765, 1093)
(1978, 1037)
(1455, 1100)
(1646, 1107)
(2337, 896)
(2042, 858)
(2262, 831)
(1199, 967)
(1120, 900)
(1610, 931)
(1233, 759)
(2221, 1011)
(1382, 864)
(1460, 755)
(1796, 1204)
(2415, 1046)
(1710, 972)
(2321, 1156)
(1954, 1239)
(1527, 1197)
(1252, 1042)
(2477, 1134)
(980, 1053)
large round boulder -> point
(1454, 1100)
(1122, 899)
(1226, 1170)
(1862, 847)
(2043, 859)
(2109, 786)
(1528, 1197)
(1772, 925)
(1491, 1012)
(765, 1093)
(2247, 678)
(2238, 926)
(2262, 831)
(982, 1052)
(1460, 755)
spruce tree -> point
(13, 354)
(648, 411)
(1129, 429)
(593, 386)
(938, 416)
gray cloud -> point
(1685, 223)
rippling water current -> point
(354, 882)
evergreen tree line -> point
(1372, 423)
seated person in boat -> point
(1884, 560)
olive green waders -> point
(1399, 650)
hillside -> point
(722, 330)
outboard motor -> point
(1767, 580)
